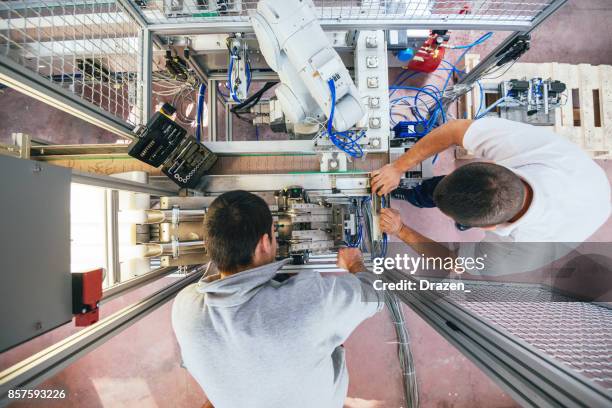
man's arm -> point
(387, 178)
(349, 299)
(391, 223)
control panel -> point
(372, 80)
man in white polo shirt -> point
(532, 185)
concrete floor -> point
(141, 366)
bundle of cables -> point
(404, 352)
(384, 243)
(426, 104)
(247, 104)
(406, 359)
(200, 111)
(378, 248)
(356, 240)
(346, 141)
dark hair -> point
(480, 195)
(234, 224)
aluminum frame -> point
(114, 183)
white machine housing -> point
(295, 46)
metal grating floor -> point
(578, 334)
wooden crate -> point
(583, 80)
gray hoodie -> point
(251, 341)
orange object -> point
(86, 296)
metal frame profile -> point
(218, 27)
(530, 376)
(38, 87)
(114, 183)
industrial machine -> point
(306, 223)
(294, 100)
(531, 100)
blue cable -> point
(359, 219)
(200, 111)
(481, 103)
(436, 113)
(383, 249)
(479, 41)
(344, 141)
(229, 78)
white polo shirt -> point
(571, 193)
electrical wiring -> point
(482, 98)
(396, 312)
(200, 111)
(383, 250)
(496, 70)
(253, 99)
(475, 43)
(406, 358)
(497, 103)
(426, 104)
(230, 74)
(346, 141)
(356, 243)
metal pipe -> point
(344, 24)
(173, 216)
(134, 283)
(174, 249)
(146, 74)
(99, 180)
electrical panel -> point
(372, 80)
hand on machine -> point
(391, 221)
(386, 179)
(351, 259)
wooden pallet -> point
(586, 117)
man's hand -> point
(386, 179)
(351, 260)
(390, 221)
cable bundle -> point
(383, 250)
(406, 359)
(345, 141)
(426, 104)
(356, 242)
(200, 111)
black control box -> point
(164, 143)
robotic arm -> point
(295, 46)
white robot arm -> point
(295, 46)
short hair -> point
(234, 224)
(480, 195)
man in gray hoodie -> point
(251, 340)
